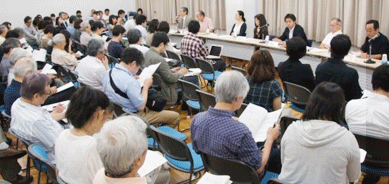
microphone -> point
(266, 25)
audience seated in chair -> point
(135, 97)
(152, 28)
(76, 155)
(60, 56)
(30, 121)
(164, 27)
(193, 46)
(264, 91)
(93, 67)
(16, 55)
(8, 45)
(217, 132)
(318, 149)
(86, 33)
(122, 146)
(168, 77)
(115, 47)
(292, 70)
(134, 37)
(369, 116)
(335, 70)
(47, 36)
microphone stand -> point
(369, 61)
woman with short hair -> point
(75, 149)
(265, 91)
(317, 149)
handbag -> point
(155, 100)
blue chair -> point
(190, 95)
(269, 175)
(180, 155)
(112, 61)
(42, 162)
(208, 73)
(377, 157)
(206, 100)
(309, 43)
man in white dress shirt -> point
(336, 26)
(93, 67)
(140, 21)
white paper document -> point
(168, 59)
(209, 178)
(193, 72)
(50, 107)
(362, 155)
(258, 120)
(64, 87)
(153, 160)
(39, 55)
(147, 72)
(46, 69)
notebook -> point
(215, 52)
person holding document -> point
(168, 77)
(121, 86)
(217, 132)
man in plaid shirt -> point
(194, 47)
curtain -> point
(315, 16)
(167, 10)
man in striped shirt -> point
(30, 122)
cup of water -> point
(267, 38)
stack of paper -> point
(153, 160)
(209, 178)
(147, 73)
(52, 106)
(258, 120)
(193, 72)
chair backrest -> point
(297, 94)
(238, 171)
(79, 47)
(377, 151)
(65, 73)
(117, 110)
(189, 90)
(112, 61)
(173, 55)
(171, 146)
(206, 100)
(240, 111)
(205, 66)
(25, 142)
(241, 70)
(285, 122)
(42, 162)
(189, 62)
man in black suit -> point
(336, 71)
(292, 30)
(379, 42)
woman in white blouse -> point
(75, 150)
(239, 28)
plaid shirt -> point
(214, 132)
(263, 94)
(194, 47)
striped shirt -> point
(35, 125)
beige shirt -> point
(2, 39)
(63, 58)
(101, 178)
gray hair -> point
(59, 38)
(19, 31)
(84, 25)
(120, 142)
(231, 85)
(17, 54)
(25, 66)
(95, 46)
(133, 36)
(2, 29)
(338, 21)
(34, 83)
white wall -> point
(250, 9)
(14, 11)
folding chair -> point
(173, 55)
(190, 95)
(206, 100)
(241, 70)
(180, 155)
(208, 73)
(112, 61)
(238, 171)
(297, 94)
(189, 62)
(42, 163)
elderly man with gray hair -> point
(217, 132)
(86, 33)
(122, 146)
(16, 55)
(93, 67)
(60, 56)
(134, 37)
(336, 28)
(30, 121)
